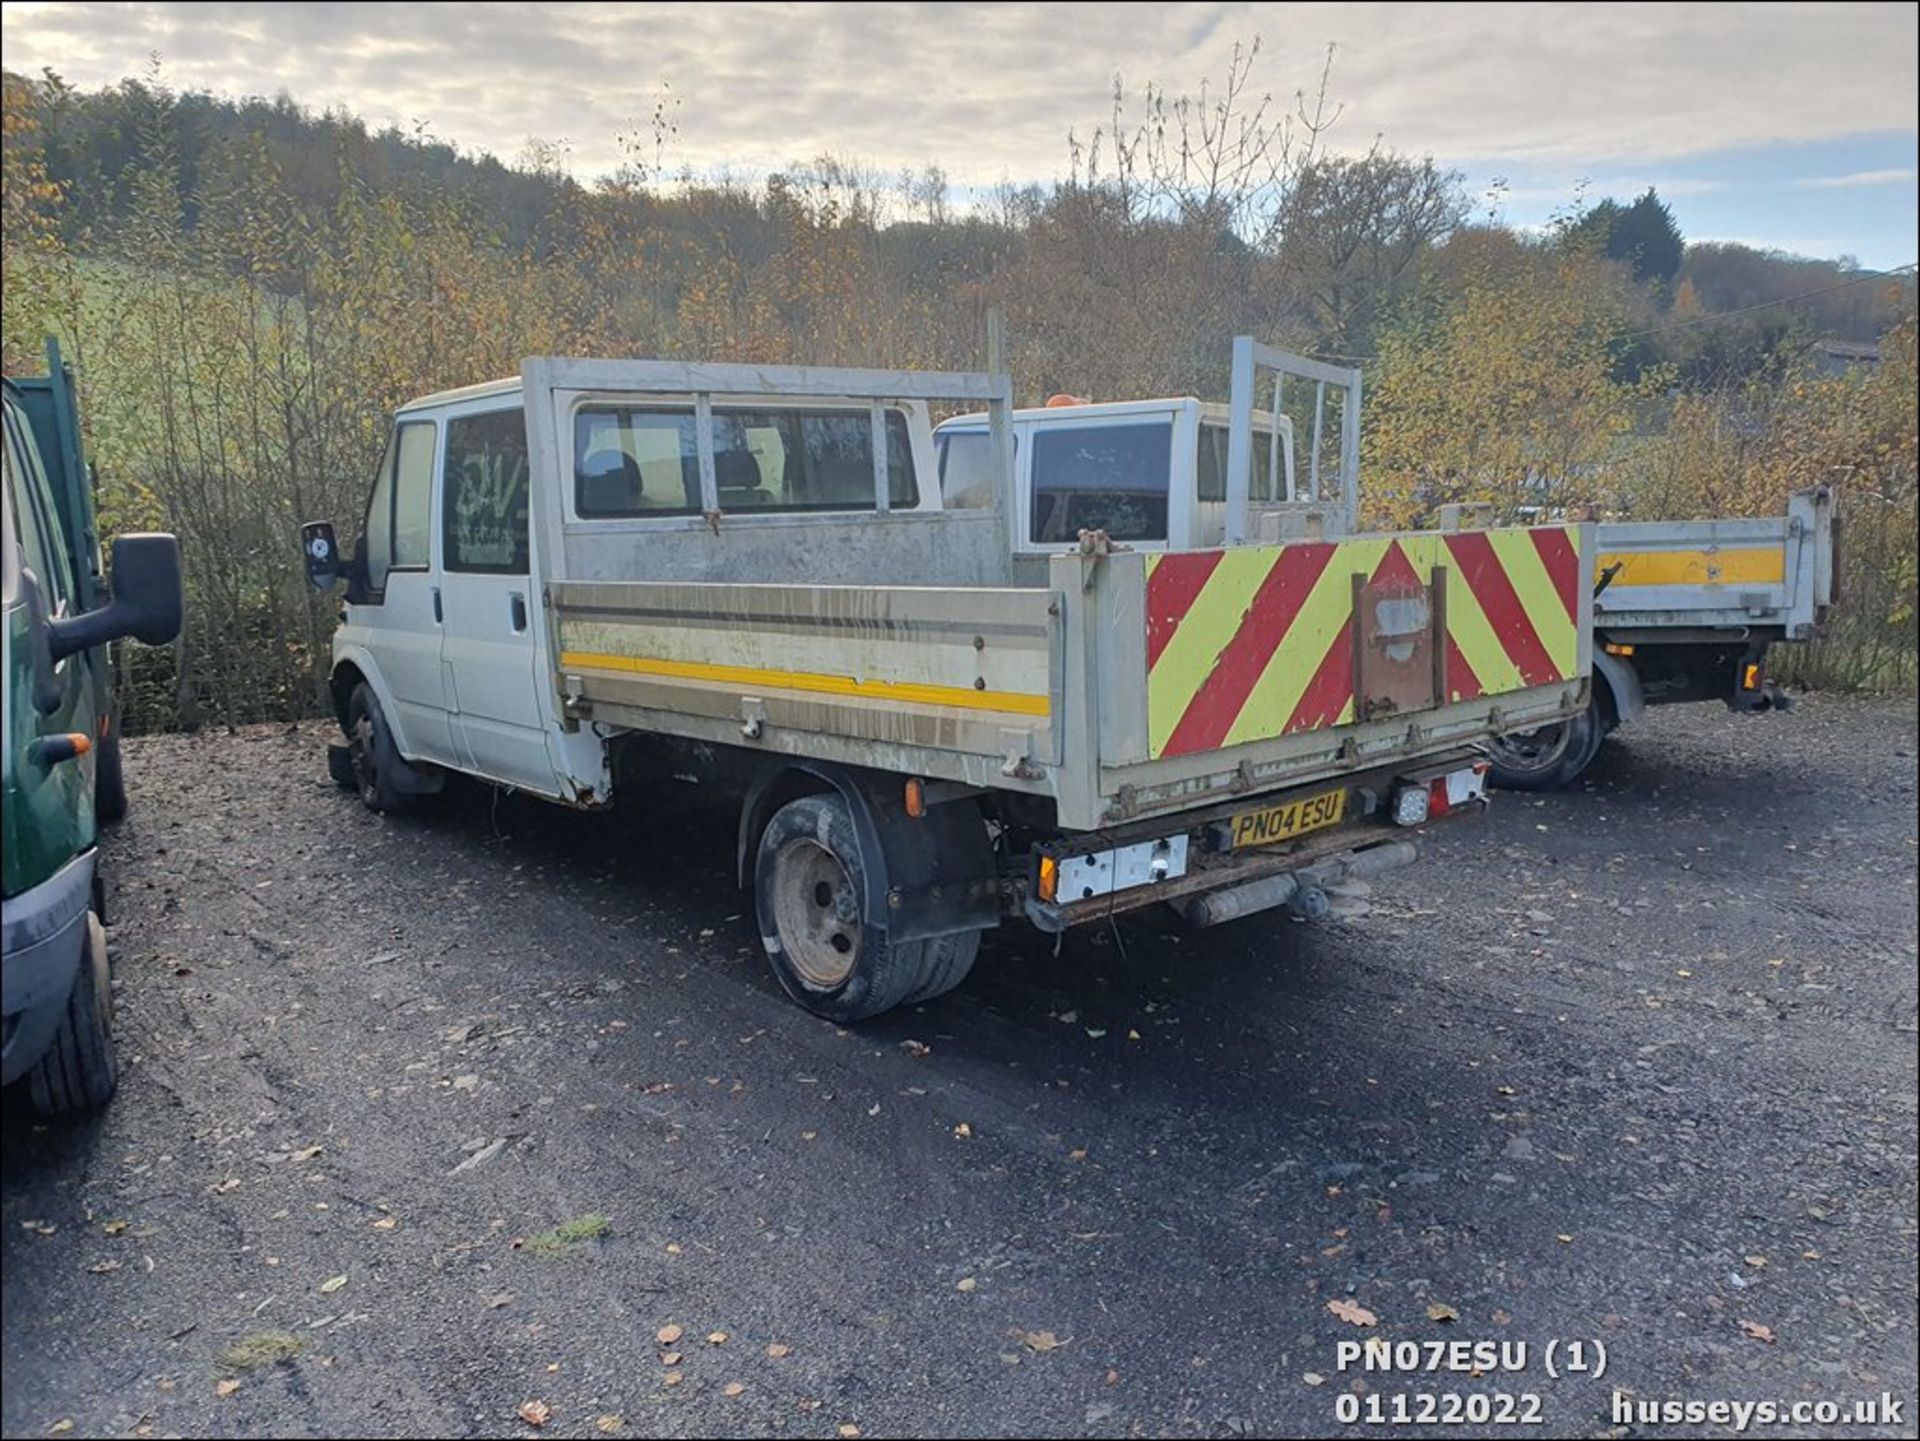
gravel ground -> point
(1633, 1065)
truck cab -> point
(55, 984)
(1152, 474)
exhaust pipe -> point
(1305, 888)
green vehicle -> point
(59, 769)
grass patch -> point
(262, 1348)
(566, 1237)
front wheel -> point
(371, 755)
(80, 1072)
(810, 888)
(1546, 757)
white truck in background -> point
(1683, 610)
(608, 576)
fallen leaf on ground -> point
(225, 1388)
(967, 1283)
(535, 1413)
(777, 1350)
(916, 1048)
(963, 1130)
(499, 1299)
(667, 1335)
(232, 1183)
(102, 1268)
(328, 1287)
(1757, 1331)
(307, 1153)
(1441, 1311)
(1352, 1312)
(849, 1430)
(60, 1427)
(1314, 1378)
(1042, 1341)
(609, 1422)
(672, 1378)
(386, 1223)
(669, 1358)
(732, 1388)
(114, 1228)
(716, 1338)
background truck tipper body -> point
(610, 572)
(1683, 610)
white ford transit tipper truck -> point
(607, 573)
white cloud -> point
(1858, 179)
(990, 92)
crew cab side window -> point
(787, 460)
(484, 509)
(1212, 478)
(398, 532)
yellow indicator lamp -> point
(1049, 877)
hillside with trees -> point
(249, 287)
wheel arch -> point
(349, 670)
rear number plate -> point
(1289, 819)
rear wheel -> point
(1546, 757)
(80, 1071)
(810, 886)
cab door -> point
(489, 635)
(400, 608)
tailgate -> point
(1258, 666)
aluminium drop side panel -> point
(1229, 672)
(946, 681)
(1772, 572)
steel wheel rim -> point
(360, 749)
(816, 912)
(1538, 749)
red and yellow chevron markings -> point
(1256, 642)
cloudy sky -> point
(1789, 125)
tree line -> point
(249, 288)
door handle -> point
(517, 607)
(438, 618)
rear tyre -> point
(79, 1072)
(946, 961)
(1546, 757)
(371, 753)
(809, 890)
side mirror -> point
(146, 600)
(322, 552)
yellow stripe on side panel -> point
(1012, 702)
(1760, 565)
